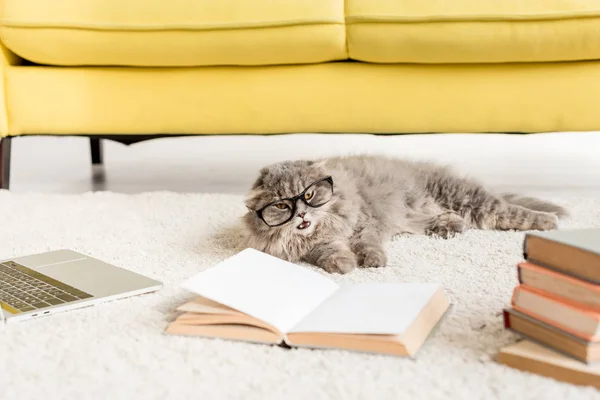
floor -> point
(228, 164)
(133, 358)
(119, 350)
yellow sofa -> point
(129, 70)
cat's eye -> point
(282, 211)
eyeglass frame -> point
(294, 201)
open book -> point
(255, 297)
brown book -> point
(573, 252)
(560, 313)
(255, 297)
(560, 285)
(532, 357)
(553, 337)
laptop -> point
(62, 280)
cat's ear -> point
(261, 178)
(251, 199)
(318, 164)
(256, 191)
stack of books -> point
(557, 306)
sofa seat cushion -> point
(174, 32)
(328, 98)
(473, 31)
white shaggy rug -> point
(118, 350)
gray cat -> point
(336, 213)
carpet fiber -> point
(118, 350)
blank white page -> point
(277, 292)
(369, 308)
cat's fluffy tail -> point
(535, 204)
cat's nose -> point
(302, 214)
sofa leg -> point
(5, 163)
(96, 151)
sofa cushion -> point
(473, 31)
(174, 32)
(333, 97)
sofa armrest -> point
(7, 59)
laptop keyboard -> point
(23, 289)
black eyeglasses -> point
(281, 211)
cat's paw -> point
(339, 263)
(545, 222)
(371, 257)
(446, 225)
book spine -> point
(558, 325)
(520, 274)
(506, 315)
(573, 305)
(515, 293)
(524, 249)
(556, 268)
(561, 271)
(564, 295)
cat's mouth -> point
(304, 225)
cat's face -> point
(293, 199)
